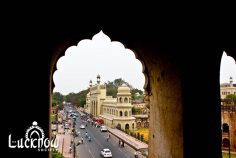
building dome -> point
(123, 89)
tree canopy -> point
(233, 97)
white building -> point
(115, 112)
(227, 88)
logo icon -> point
(34, 138)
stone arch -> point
(167, 82)
(126, 113)
(225, 143)
(121, 100)
(166, 75)
(126, 126)
(118, 126)
(125, 100)
(121, 113)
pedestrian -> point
(123, 143)
(135, 154)
(119, 142)
(70, 149)
(82, 140)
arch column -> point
(165, 101)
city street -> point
(98, 142)
(92, 149)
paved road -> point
(99, 141)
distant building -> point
(142, 118)
(228, 116)
(227, 88)
(115, 112)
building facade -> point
(228, 116)
(227, 88)
(228, 119)
(115, 112)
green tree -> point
(54, 102)
(233, 97)
(56, 154)
(58, 97)
(136, 97)
(77, 99)
(136, 110)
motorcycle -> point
(89, 139)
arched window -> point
(126, 100)
(126, 113)
(121, 113)
(127, 126)
(120, 99)
(225, 142)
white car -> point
(82, 126)
(104, 129)
(106, 153)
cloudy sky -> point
(82, 63)
(227, 69)
(111, 60)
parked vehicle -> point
(103, 129)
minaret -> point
(124, 95)
(231, 81)
(98, 79)
(90, 83)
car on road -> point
(82, 126)
(54, 127)
(103, 129)
(106, 152)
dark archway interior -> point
(182, 63)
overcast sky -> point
(227, 69)
(82, 63)
(111, 60)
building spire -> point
(90, 83)
(98, 79)
(231, 81)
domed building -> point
(115, 112)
